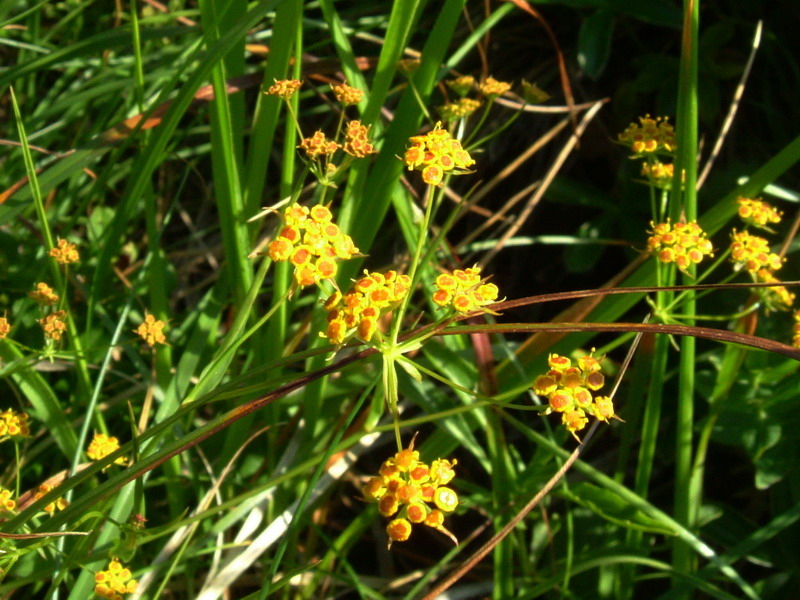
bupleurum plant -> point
(275, 273)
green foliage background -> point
(140, 132)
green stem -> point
(686, 161)
(478, 126)
(496, 132)
(84, 381)
(137, 57)
(414, 266)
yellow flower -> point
(318, 145)
(44, 294)
(14, 424)
(5, 328)
(569, 390)
(357, 312)
(347, 95)
(776, 297)
(356, 141)
(445, 499)
(651, 135)
(398, 530)
(114, 581)
(65, 252)
(464, 290)
(460, 109)
(152, 330)
(7, 505)
(493, 88)
(57, 504)
(102, 445)
(284, 88)
(757, 213)
(752, 253)
(435, 154)
(796, 330)
(659, 174)
(461, 85)
(683, 243)
(413, 493)
(54, 325)
(312, 242)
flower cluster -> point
(776, 297)
(151, 330)
(114, 581)
(435, 154)
(356, 140)
(14, 424)
(682, 243)
(318, 145)
(284, 88)
(357, 311)
(659, 174)
(569, 391)
(464, 290)
(413, 492)
(492, 88)
(65, 252)
(102, 445)
(44, 294)
(54, 325)
(312, 242)
(757, 213)
(649, 136)
(6, 503)
(752, 253)
(57, 504)
(460, 109)
(5, 328)
(461, 85)
(346, 94)
(796, 330)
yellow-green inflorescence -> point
(44, 294)
(758, 213)
(570, 390)
(659, 174)
(5, 328)
(114, 581)
(754, 255)
(684, 244)
(151, 330)
(357, 311)
(57, 504)
(411, 492)
(435, 154)
(7, 503)
(65, 252)
(102, 445)
(649, 136)
(776, 297)
(14, 424)
(312, 242)
(464, 290)
(460, 109)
